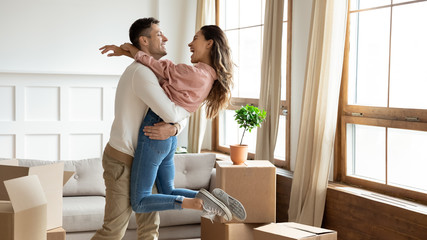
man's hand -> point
(129, 48)
(160, 131)
(117, 51)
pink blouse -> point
(187, 86)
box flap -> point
(307, 228)
(10, 172)
(25, 193)
(51, 177)
(259, 163)
(283, 230)
(6, 207)
(246, 164)
(67, 176)
(49, 173)
(10, 162)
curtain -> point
(197, 123)
(271, 66)
(319, 111)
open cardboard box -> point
(24, 216)
(52, 178)
(56, 234)
(293, 231)
(227, 231)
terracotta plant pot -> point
(238, 153)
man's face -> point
(157, 42)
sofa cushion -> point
(87, 179)
(83, 213)
(87, 214)
(171, 218)
(193, 170)
(33, 162)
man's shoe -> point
(233, 204)
(213, 206)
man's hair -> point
(141, 27)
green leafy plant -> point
(249, 117)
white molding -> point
(6, 72)
(63, 127)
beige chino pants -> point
(117, 206)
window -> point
(243, 22)
(384, 113)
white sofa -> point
(84, 197)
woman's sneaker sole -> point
(210, 201)
(236, 208)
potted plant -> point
(247, 117)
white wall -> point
(61, 39)
(52, 36)
(56, 89)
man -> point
(137, 90)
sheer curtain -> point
(319, 111)
(270, 79)
(197, 123)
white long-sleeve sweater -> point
(137, 91)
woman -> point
(209, 81)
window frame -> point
(388, 117)
(285, 104)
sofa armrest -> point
(212, 184)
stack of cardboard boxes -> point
(254, 185)
(31, 201)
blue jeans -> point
(154, 163)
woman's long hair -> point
(220, 94)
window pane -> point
(366, 152)
(401, 1)
(408, 71)
(284, 56)
(222, 15)
(249, 139)
(250, 62)
(369, 53)
(362, 4)
(280, 150)
(407, 158)
(228, 129)
(230, 133)
(285, 11)
(250, 13)
(233, 39)
(231, 13)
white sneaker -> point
(236, 208)
(212, 206)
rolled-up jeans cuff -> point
(178, 202)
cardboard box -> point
(24, 216)
(226, 231)
(253, 184)
(293, 231)
(56, 234)
(52, 179)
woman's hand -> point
(117, 51)
(129, 48)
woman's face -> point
(200, 47)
